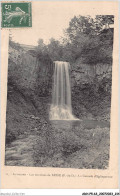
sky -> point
(49, 19)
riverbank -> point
(84, 144)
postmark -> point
(16, 15)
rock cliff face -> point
(29, 89)
(86, 74)
(28, 73)
(91, 89)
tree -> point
(41, 46)
(80, 25)
(104, 21)
(55, 49)
(87, 38)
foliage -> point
(55, 49)
(88, 38)
(41, 46)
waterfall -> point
(61, 108)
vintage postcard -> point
(59, 81)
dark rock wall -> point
(28, 73)
(29, 91)
(91, 88)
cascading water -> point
(61, 108)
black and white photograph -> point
(59, 86)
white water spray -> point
(61, 108)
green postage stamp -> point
(17, 14)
